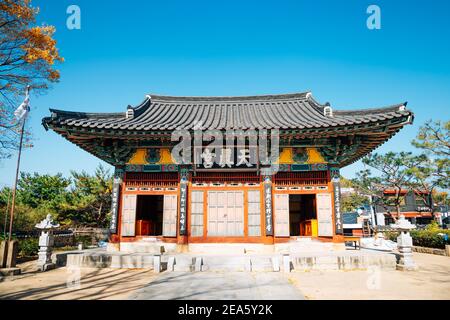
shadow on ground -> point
(94, 284)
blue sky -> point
(125, 50)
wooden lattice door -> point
(225, 213)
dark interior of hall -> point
(302, 207)
(149, 215)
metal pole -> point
(13, 204)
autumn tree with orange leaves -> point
(28, 55)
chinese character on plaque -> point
(208, 157)
(225, 158)
(243, 158)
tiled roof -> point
(166, 113)
(350, 217)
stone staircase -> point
(150, 245)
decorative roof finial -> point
(130, 112)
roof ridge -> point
(299, 95)
(391, 108)
(80, 114)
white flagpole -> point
(13, 203)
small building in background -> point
(412, 206)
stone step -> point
(229, 248)
(263, 263)
(180, 262)
(301, 240)
(239, 263)
(141, 247)
(225, 263)
(310, 247)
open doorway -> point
(149, 215)
(302, 209)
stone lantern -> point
(46, 243)
(404, 244)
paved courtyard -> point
(431, 281)
(219, 286)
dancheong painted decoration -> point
(254, 169)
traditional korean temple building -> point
(216, 194)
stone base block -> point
(406, 262)
(3, 253)
(47, 267)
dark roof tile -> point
(288, 111)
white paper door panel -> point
(281, 204)
(170, 215)
(324, 214)
(129, 215)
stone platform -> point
(154, 246)
(265, 262)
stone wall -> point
(441, 252)
(95, 234)
(64, 240)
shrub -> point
(28, 247)
(431, 238)
(85, 240)
(391, 235)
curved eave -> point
(296, 115)
(406, 118)
(220, 119)
(375, 135)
